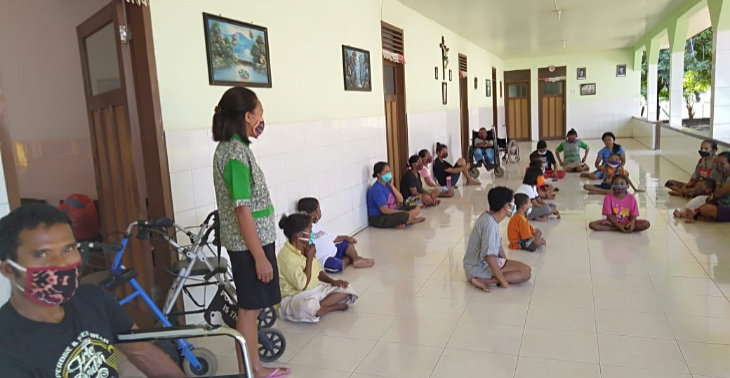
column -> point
(652, 64)
(720, 110)
(677, 40)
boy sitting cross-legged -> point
(520, 233)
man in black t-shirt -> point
(51, 327)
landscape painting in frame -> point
(356, 69)
(238, 53)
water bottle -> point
(448, 182)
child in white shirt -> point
(702, 191)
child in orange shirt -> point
(610, 170)
(520, 233)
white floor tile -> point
(643, 353)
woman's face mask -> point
(722, 168)
(571, 139)
(429, 160)
(50, 286)
(310, 239)
(445, 155)
(704, 154)
(387, 177)
(619, 190)
(259, 129)
(419, 166)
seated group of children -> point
(305, 259)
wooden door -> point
(395, 118)
(552, 109)
(517, 109)
(109, 84)
(464, 112)
(495, 111)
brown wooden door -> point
(396, 125)
(495, 111)
(115, 138)
(464, 112)
(552, 109)
(517, 111)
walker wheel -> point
(208, 364)
(499, 171)
(272, 345)
(267, 317)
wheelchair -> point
(496, 166)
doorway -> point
(517, 105)
(394, 88)
(130, 157)
(495, 111)
(464, 106)
(551, 100)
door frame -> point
(529, 106)
(150, 189)
(397, 154)
(540, 125)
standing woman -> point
(247, 224)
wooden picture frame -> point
(451, 78)
(588, 89)
(621, 70)
(581, 73)
(488, 85)
(444, 93)
(237, 52)
(356, 69)
(436, 72)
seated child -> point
(520, 233)
(548, 159)
(542, 210)
(334, 253)
(701, 192)
(306, 291)
(546, 191)
(620, 209)
(610, 170)
(485, 262)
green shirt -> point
(240, 182)
(571, 151)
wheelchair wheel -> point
(208, 362)
(267, 317)
(498, 171)
(474, 171)
(272, 345)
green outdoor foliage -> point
(697, 70)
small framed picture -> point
(436, 73)
(444, 93)
(488, 85)
(356, 69)
(621, 70)
(476, 82)
(581, 74)
(450, 77)
(588, 89)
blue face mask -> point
(514, 210)
(387, 177)
(309, 241)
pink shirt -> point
(424, 172)
(622, 209)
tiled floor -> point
(650, 305)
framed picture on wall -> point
(488, 85)
(450, 76)
(444, 93)
(588, 89)
(581, 74)
(238, 53)
(356, 69)
(436, 72)
(621, 70)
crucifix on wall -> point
(444, 56)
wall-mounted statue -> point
(444, 56)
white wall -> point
(44, 94)
(4, 210)
(617, 99)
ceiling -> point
(527, 28)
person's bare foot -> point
(689, 220)
(437, 202)
(677, 214)
(400, 227)
(481, 284)
(557, 215)
(419, 219)
(473, 183)
(266, 372)
(363, 263)
(340, 307)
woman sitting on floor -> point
(610, 170)
(411, 185)
(385, 203)
(703, 170)
(603, 155)
(485, 262)
(428, 182)
(306, 291)
(443, 169)
(570, 148)
(719, 209)
(620, 209)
